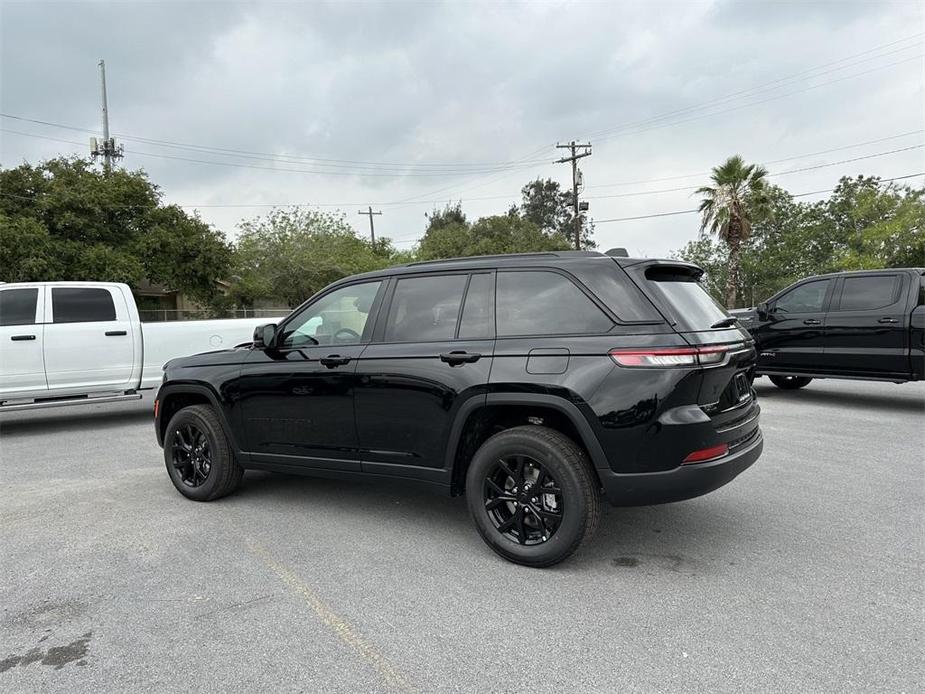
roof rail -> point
(545, 254)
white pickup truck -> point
(64, 343)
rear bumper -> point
(680, 483)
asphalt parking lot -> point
(805, 574)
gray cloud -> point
(431, 82)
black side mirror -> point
(763, 310)
(264, 335)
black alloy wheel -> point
(533, 495)
(199, 456)
(192, 455)
(524, 501)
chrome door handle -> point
(887, 319)
(812, 321)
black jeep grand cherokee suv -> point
(528, 382)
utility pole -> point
(576, 180)
(107, 148)
(372, 229)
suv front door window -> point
(338, 318)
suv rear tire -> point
(198, 455)
(790, 382)
(533, 495)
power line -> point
(590, 197)
(772, 161)
(794, 195)
(756, 103)
(760, 88)
(316, 161)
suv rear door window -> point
(425, 309)
(17, 306)
(868, 293)
(82, 305)
(546, 303)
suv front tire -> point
(533, 495)
(198, 455)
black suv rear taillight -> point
(666, 357)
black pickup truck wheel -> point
(790, 382)
(199, 459)
(532, 495)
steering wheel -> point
(343, 333)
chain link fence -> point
(158, 315)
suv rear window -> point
(687, 303)
(611, 285)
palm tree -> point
(737, 197)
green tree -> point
(290, 254)
(728, 208)
(870, 224)
(488, 236)
(450, 215)
(64, 220)
(865, 223)
(550, 209)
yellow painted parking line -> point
(344, 631)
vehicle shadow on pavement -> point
(669, 537)
(653, 538)
(908, 401)
(13, 424)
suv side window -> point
(425, 309)
(868, 293)
(807, 298)
(82, 305)
(339, 318)
(17, 306)
(546, 303)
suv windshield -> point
(680, 294)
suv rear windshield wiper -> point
(725, 323)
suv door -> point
(866, 328)
(296, 396)
(792, 338)
(432, 353)
(89, 341)
(22, 367)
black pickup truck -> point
(866, 324)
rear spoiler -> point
(640, 266)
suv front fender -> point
(194, 393)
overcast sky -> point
(465, 101)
